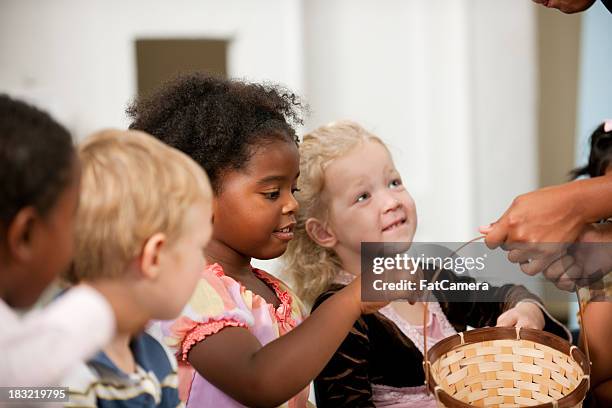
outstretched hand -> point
(538, 227)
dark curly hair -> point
(36, 155)
(599, 158)
(217, 121)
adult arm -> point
(538, 226)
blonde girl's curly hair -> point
(311, 267)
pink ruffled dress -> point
(219, 301)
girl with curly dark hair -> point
(238, 340)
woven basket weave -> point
(507, 367)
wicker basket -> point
(507, 367)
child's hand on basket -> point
(524, 314)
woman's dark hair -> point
(217, 121)
(599, 158)
(36, 159)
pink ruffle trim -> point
(284, 310)
(216, 269)
(203, 330)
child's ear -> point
(150, 259)
(320, 233)
(19, 237)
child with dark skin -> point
(251, 350)
(39, 194)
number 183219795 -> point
(33, 394)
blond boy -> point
(144, 219)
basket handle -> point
(583, 331)
(426, 362)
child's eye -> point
(272, 195)
(362, 197)
(395, 183)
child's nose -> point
(390, 203)
(291, 205)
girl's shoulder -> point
(274, 282)
(216, 303)
(218, 294)
(216, 298)
(215, 293)
(285, 294)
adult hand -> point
(538, 227)
(567, 6)
(586, 261)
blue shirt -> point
(100, 383)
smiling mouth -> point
(395, 225)
(284, 234)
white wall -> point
(595, 82)
(450, 84)
(77, 58)
(504, 123)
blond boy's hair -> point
(312, 267)
(132, 187)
